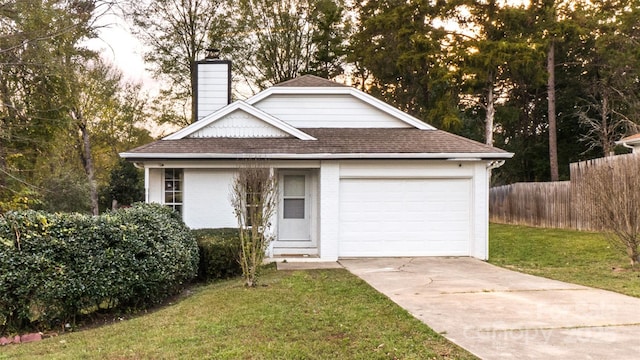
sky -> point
(119, 46)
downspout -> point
(138, 165)
(490, 166)
(628, 146)
(146, 185)
(494, 164)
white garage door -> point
(414, 217)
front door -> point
(294, 215)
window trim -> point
(175, 205)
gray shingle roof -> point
(310, 81)
(342, 141)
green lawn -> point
(327, 314)
(578, 257)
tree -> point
(254, 200)
(55, 96)
(176, 33)
(610, 106)
(41, 37)
(409, 61)
(126, 185)
(495, 54)
(283, 39)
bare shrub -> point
(254, 199)
(614, 189)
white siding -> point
(239, 124)
(206, 198)
(155, 190)
(213, 87)
(480, 244)
(327, 110)
(405, 169)
(329, 209)
(364, 207)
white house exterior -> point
(357, 177)
(632, 142)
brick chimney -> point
(212, 85)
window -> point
(294, 196)
(173, 189)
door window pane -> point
(293, 208)
(294, 185)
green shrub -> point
(54, 267)
(219, 253)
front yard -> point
(328, 314)
(578, 257)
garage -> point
(404, 217)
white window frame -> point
(175, 205)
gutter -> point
(216, 156)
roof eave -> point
(242, 106)
(316, 156)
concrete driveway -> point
(500, 314)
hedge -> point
(219, 253)
(55, 267)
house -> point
(357, 177)
(632, 142)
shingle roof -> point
(630, 138)
(310, 81)
(330, 141)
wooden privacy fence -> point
(561, 204)
(535, 204)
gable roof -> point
(310, 81)
(342, 90)
(242, 106)
(205, 140)
(629, 140)
(331, 143)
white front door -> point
(294, 215)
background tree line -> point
(65, 113)
(552, 81)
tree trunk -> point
(3, 165)
(551, 98)
(607, 148)
(87, 160)
(491, 113)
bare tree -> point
(176, 33)
(614, 191)
(254, 199)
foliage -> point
(126, 184)
(285, 38)
(406, 60)
(66, 191)
(579, 257)
(254, 194)
(55, 267)
(39, 39)
(299, 315)
(64, 115)
(219, 253)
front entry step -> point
(295, 252)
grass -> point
(578, 257)
(319, 314)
